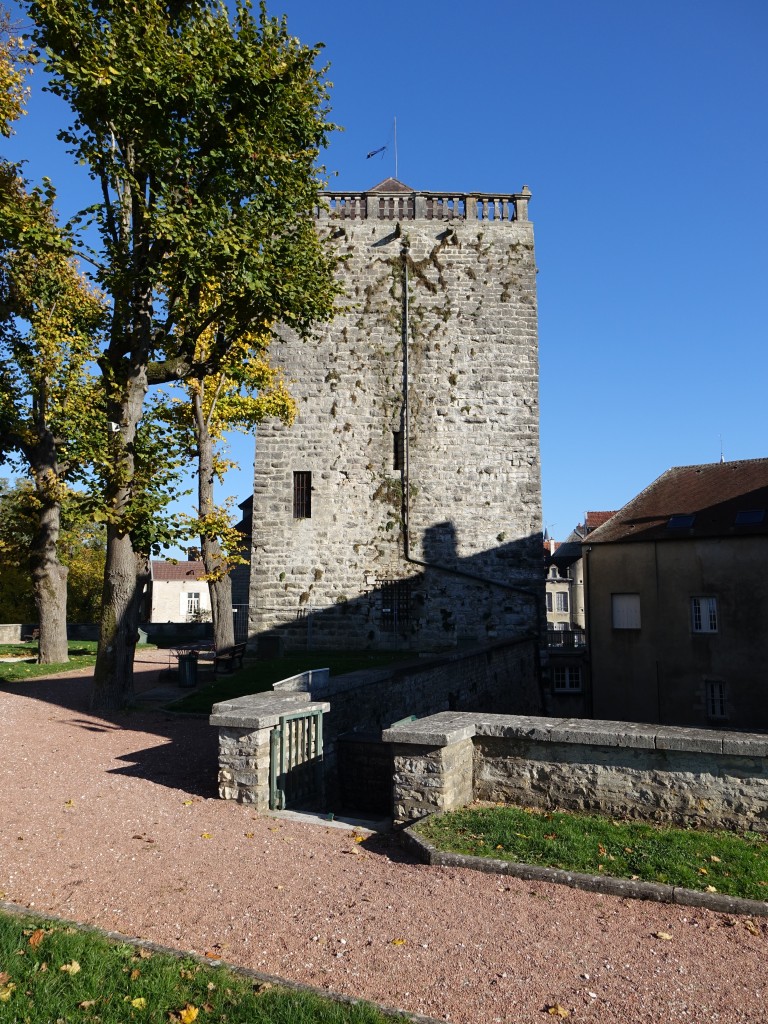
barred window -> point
(302, 495)
(395, 604)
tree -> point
(80, 547)
(202, 134)
(48, 399)
(242, 394)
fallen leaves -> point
(664, 936)
(751, 927)
(399, 942)
(70, 968)
(36, 937)
(188, 1014)
(556, 1010)
(6, 991)
(206, 835)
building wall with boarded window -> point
(466, 458)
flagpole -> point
(395, 147)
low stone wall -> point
(659, 773)
(244, 726)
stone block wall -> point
(684, 776)
(459, 466)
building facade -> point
(403, 507)
(677, 600)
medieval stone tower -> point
(403, 507)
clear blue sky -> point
(642, 131)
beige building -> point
(178, 594)
(678, 598)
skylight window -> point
(750, 517)
(680, 522)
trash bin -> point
(188, 669)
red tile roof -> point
(712, 494)
(594, 519)
(165, 571)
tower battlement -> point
(391, 200)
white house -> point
(178, 594)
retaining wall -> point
(659, 773)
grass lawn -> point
(81, 653)
(258, 676)
(727, 862)
(51, 972)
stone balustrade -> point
(486, 206)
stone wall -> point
(429, 476)
(693, 777)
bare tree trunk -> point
(219, 583)
(126, 570)
(49, 581)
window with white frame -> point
(625, 611)
(704, 614)
(193, 602)
(561, 601)
(567, 678)
(716, 704)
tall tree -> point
(48, 399)
(243, 393)
(202, 132)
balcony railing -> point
(484, 206)
(566, 638)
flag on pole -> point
(374, 152)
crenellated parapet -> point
(400, 204)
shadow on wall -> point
(435, 600)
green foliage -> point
(81, 548)
(203, 134)
(64, 973)
(15, 65)
(726, 862)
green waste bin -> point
(188, 669)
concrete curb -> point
(15, 910)
(605, 884)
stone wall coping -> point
(312, 679)
(453, 726)
(261, 710)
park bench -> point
(34, 635)
(229, 659)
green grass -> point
(735, 864)
(114, 983)
(81, 654)
(258, 676)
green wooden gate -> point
(296, 761)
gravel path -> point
(115, 822)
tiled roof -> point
(165, 571)
(594, 519)
(718, 499)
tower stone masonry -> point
(403, 507)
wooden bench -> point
(31, 637)
(229, 659)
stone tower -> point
(403, 507)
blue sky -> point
(641, 129)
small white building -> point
(178, 593)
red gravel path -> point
(114, 822)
